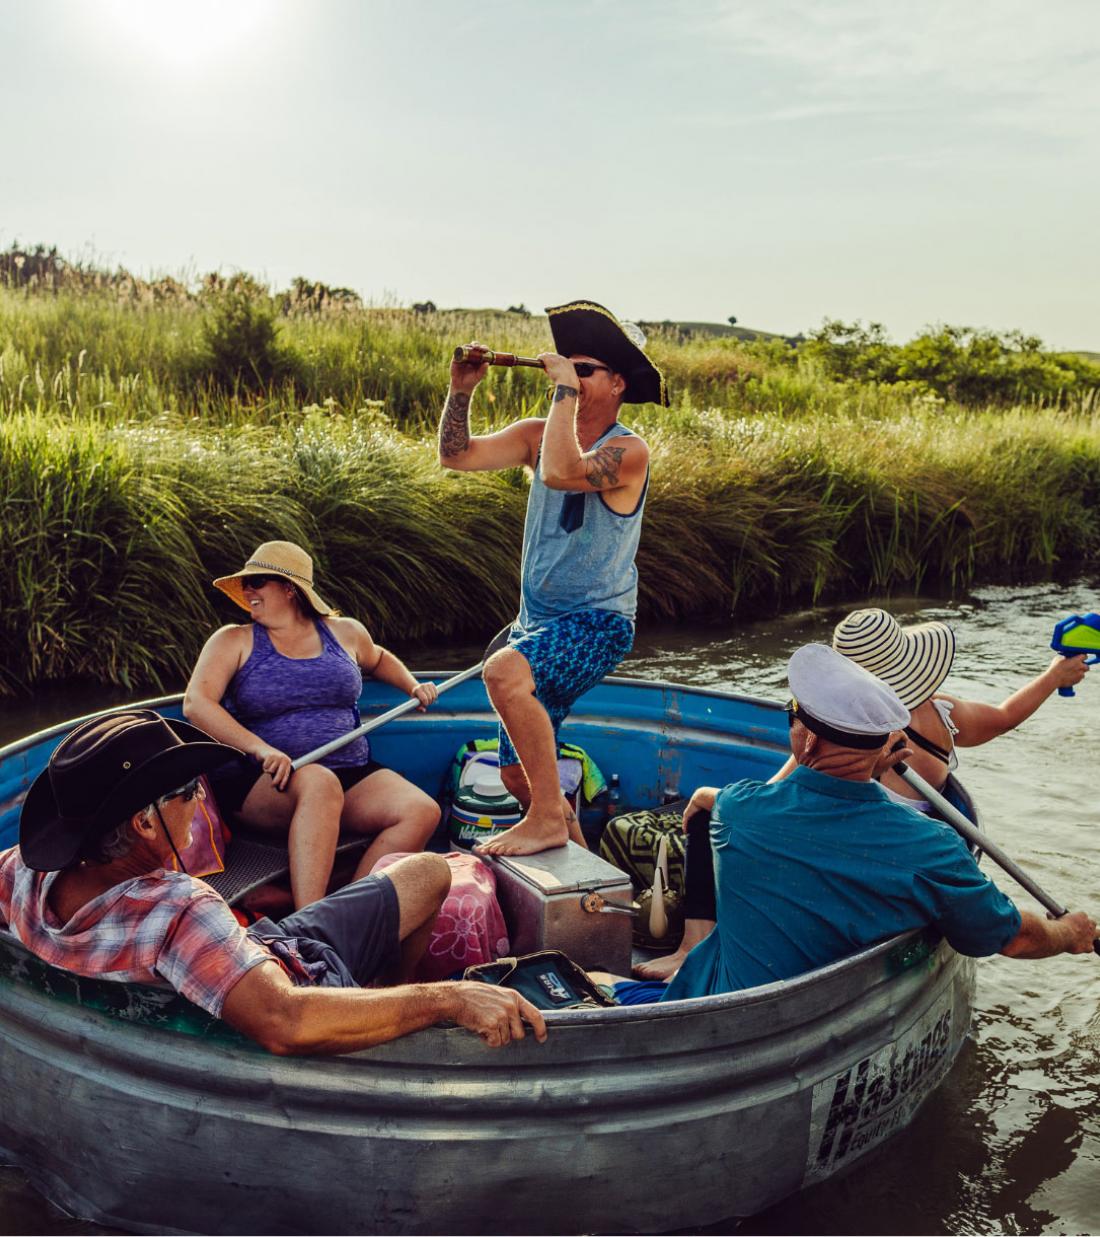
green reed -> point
(115, 532)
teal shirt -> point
(812, 869)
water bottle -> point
(614, 796)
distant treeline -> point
(234, 334)
(149, 441)
(953, 363)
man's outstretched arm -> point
(288, 1020)
(1045, 938)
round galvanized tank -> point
(129, 1107)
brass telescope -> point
(486, 356)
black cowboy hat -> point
(587, 329)
(103, 772)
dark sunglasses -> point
(258, 582)
(585, 369)
(186, 792)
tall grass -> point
(114, 533)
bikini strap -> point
(933, 749)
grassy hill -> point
(723, 330)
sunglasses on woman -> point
(257, 582)
(585, 369)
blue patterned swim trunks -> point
(568, 656)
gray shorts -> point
(345, 940)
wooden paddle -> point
(975, 837)
(407, 706)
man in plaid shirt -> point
(87, 889)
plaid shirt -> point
(164, 926)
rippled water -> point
(1011, 1143)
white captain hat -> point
(841, 701)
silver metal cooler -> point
(544, 899)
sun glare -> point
(192, 34)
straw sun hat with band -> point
(276, 558)
(914, 661)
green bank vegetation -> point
(151, 434)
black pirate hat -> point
(585, 328)
(103, 772)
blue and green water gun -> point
(1076, 635)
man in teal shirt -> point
(813, 868)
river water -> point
(1011, 1143)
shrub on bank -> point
(971, 367)
(241, 348)
(234, 353)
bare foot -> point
(695, 930)
(661, 968)
(532, 835)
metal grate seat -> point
(253, 859)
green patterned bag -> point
(630, 842)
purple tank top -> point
(296, 704)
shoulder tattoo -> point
(602, 466)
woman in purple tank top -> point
(284, 684)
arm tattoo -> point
(563, 392)
(454, 425)
(602, 467)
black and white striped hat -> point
(914, 661)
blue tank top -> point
(296, 704)
(578, 554)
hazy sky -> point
(781, 160)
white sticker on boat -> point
(856, 1109)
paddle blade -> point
(658, 919)
(497, 642)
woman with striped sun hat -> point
(915, 661)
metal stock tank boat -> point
(128, 1106)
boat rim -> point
(158, 702)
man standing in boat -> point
(579, 584)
